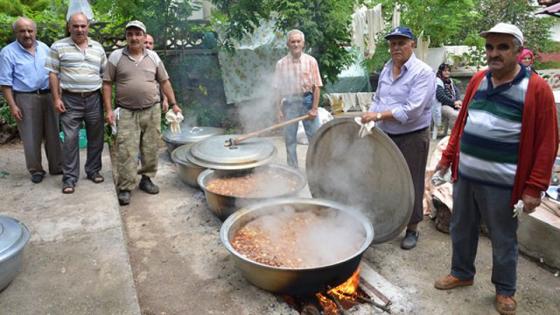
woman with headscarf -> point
(527, 58)
(447, 94)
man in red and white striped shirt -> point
(297, 81)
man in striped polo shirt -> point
(298, 83)
(76, 64)
(501, 150)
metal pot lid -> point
(367, 173)
(179, 155)
(13, 237)
(191, 134)
(212, 153)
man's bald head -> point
(78, 25)
(25, 30)
(23, 21)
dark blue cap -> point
(402, 31)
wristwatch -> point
(378, 116)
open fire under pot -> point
(359, 184)
(211, 153)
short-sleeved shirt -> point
(297, 76)
(79, 71)
(23, 71)
(137, 81)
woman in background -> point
(447, 94)
(527, 58)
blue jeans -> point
(295, 106)
(471, 202)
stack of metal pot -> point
(178, 144)
(219, 160)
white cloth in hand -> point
(518, 208)
(174, 120)
(365, 129)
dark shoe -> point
(450, 282)
(147, 185)
(124, 197)
(37, 177)
(505, 305)
(96, 178)
(410, 239)
(67, 188)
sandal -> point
(67, 188)
(96, 178)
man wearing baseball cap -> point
(402, 109)
(137, 74)
(501, 153)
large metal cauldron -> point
(188, 172)
(288, 280)
(223, 206)
(13, 237)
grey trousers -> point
(89, 110)
(40, 122)
(415, 147)
(471, 202)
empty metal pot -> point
(13, 237)
(188, 172)
(289, 280)
(223, 206)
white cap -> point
(136, 24)
(505, 28)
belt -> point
(44, 91)
(80, 94)
(137, 109)
(407, 133)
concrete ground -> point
(76, 261)
(179, 265)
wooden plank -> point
(399, 299)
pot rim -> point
(17, 246)
(203, 177)
(239, 214)
(208, 132)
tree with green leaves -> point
(326, 24)
(460, 22)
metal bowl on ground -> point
(223, 205)
(13, 237)
(187, 171)
(297, 281)
(188, 135)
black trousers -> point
(415, 147)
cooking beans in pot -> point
(261, 184)
(298, 239)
